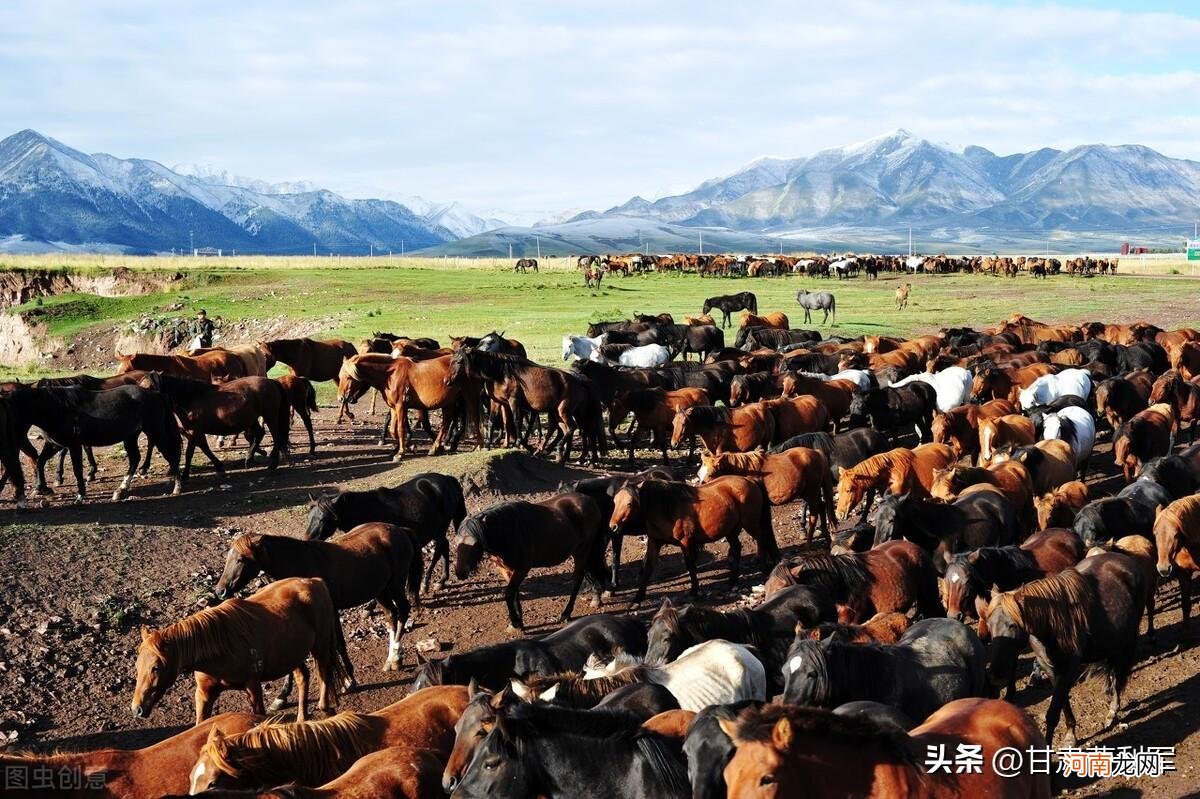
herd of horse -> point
(957, 463)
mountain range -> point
(858, 196)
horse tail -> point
(458, 511)
(330, 641)
(832, 309)
(310, 397)
(416, 567)
(283, 419)
(827, 498)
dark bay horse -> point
(521, 536)
(981, 518)
(306, 357)
(227, 409)
(728, 303)
(427, 504)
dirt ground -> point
(79, 581)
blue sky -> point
(535, 107)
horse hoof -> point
(44, 491)
(118, 495)
(349, 684)
(276, 706)
(22, 504)
(79, 499)
(392, 665)
(511, 630)
(595, 603)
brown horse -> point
(421, 384)
(998, 383)
(521, 536)
(654, 410)
(1182, 396)
(739, 429)
(155, 770)
(1010, 478)
(796, 416)
(371, 562)
(1059, 507)
(835, 394)
(959, 427)
(242, 643)
(1177, 539)
(1186, 358)
(882, 628)
(1012, 429)
(1051, 463)
(214, 366)
(896, 576)
(690, 516)
(306, 357)
(226, 409)
(796, 473)
(800, 751)
(776, 320)
(303, 401)
(314, 752)
(898, 471)
(1149, 434)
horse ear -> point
(729, 727)
(519, 688)
(666, 604)
(996, 590)
(215, 736)
(1158, 509)
(145, 633)
(551, 692)
(782, 735)
(421, 659)
(473, 687)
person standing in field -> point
(201, 331)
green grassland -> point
(352, 298)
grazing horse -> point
(1060, 507)
(890, 409)
(517, 384)
(1086, 615)
(423, 384)
(710, 673)
(959, 427)
(738, 429)
(817, 301)
(935, 661)
(314, 752)
(427, 504)
(213, 366)
(898, 471)
(769, 627)
(797, 473)
(896, 576)
(565, 649)
(156, 770)
(316, 360)
(242, 643)
(800, 751)
(226, 409)
(1177, 540)
(1183, 397)
(373, 561)
(981, 518)
(653, 410)
(841, 450)
(728, 303)
(971, 575)
(586, 753)
(690, 516)
(776, 320)
(1009, 478)
(1147, 435)
(73, 418)
(521, 536)
(524, 264)
(1010, 430)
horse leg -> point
(187, 458)
(285, 691)
(350, 683)
(617, 539)
(92, 467)
(513, 600)
(308, 425)
(648, 564)
(689, 558)
(633, 436)
(1059, 702)
(580, 564)
(39, 465)
(400, 430)
(301, 673)
(144, 469)
(735, 559)
(207, 691)
(202, 441)
(254, 435)
(131, 452)
(255, 695)
(77, 467)
(62, 462)
(867, 507)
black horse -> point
(429, 503)
(1130, 512)
(73, 418)
(842, 450)
(708, 749)
(978, 519)
(603, 489)
(728, 303)
(891, 409)
(561, 651)
(936, 661)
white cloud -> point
(539, 105)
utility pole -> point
(701, 242)
(510, 251)
(401, 248)
(910, 242)
(538, 240)
(192, 240)
(372, 250)
(314, 249)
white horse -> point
(715, 672)
(1076, 426)
(952, 384)
(913, 262)
(582, 347)
(844, 265)
(646, 355)
(1047, 388)
(861, 377)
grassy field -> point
(350, 298)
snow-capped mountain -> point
(899, 178)
(453, 216)
(52, 194)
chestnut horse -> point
(691, 516)
(796, 473)
(1182, 396)
(306, 357)
(242, 643)
(896, 576)
(802, 751)
(1050, 462)
(1009, 478)
(653, 409)
(1177, 539)
(899, 471)
(996, 383)
(804, 414)
(1009, 430)
(1059, 507)
(835, 394)
(155, 770)
(303, 401)
(725, 429)
(959, 427)
(214, 366)
(777, 320)
(314, 752)
(1149, 434)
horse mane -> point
(757, 724)
(82, 381)
(244, 545)
(874, 464)
(575, 686)
(1054, 606)
(744, 461)
(434, 672)
(181, 387)
(310, 752)
(832, 572)
(707, 415)
(209, 633)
